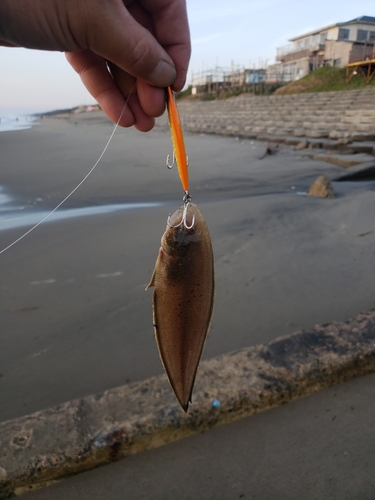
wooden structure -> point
(219, 81)
(365, 68)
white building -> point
(335, 45)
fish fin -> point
(153, 277)
(152, 281)
(185, 407)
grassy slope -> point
(323, 80)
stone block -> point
(317, 133)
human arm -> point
(145, 43)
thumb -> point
(126, 43)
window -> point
(343, 34)
(372, 36)
(337, 63)
(323, 37)
(362, 35)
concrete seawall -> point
(325, 116)
(82, 434)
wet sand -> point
(74, 316)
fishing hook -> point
(170, 165)
(186, 200)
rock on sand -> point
(322, 188)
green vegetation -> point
(324, 80)
(206, 97)
(184, 93)
(226, 95)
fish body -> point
(183, 298)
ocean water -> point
(16, 218)
(14, 215)
(17, 118)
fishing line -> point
(78, 185)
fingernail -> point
(163, 75)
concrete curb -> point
(82, 434)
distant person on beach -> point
(142, 45)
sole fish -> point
(183, 298)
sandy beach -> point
(74, 316)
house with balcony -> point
(335, 45)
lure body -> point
(183, 298)
(177, 140)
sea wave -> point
(16, 122)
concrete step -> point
(364, 112)
(359, 127)
(317, 133)
(352, 135)
(359, 118)
(338, 115)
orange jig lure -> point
(179, 153)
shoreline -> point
(72, 292)
(76, 321)
(21, 122)
(20, 119)
(77, 351)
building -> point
(218, 80)
(335, 45)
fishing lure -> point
(179, 153)
(184, 282)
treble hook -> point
(170, 165)
(186, 200)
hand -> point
(117, 47)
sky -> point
(224, 33)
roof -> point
(362, 19)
